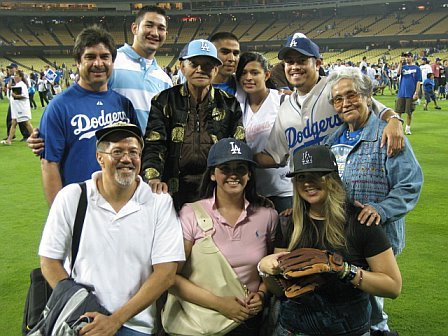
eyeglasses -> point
(352, 97)
(239, 170)
(205, 66)
(118, 154)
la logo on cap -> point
(204, 46)
(307, 158)
(234, 148)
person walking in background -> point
(42, 89)
(409, 88)
(442, 83)
(10, 82)
(429, 90)
(32, 91)
(20, 106)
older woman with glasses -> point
(386, 188)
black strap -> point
(79, 222)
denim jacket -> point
(391, 185)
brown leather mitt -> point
(304, 285)
(307, 261)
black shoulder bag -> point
(39, 291)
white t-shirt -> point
(426, 69)
(116, 250)
(271, 181)
(20, 108)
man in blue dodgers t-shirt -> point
(69, 123)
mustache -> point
(122, 165)
(96, 69)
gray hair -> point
(363, 84)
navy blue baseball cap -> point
(229, 149)
(200, 48)
(314, 159)
(299, 42)
(12, 65)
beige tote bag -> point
(208, 269)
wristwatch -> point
(261, 273)
(395, 116)
(353, 270)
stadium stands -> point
(349, 36)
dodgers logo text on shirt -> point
(316, 131)
(83, 123)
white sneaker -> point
(418, 101)
(408, 131)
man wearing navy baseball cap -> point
(306, 117)
(185, 121)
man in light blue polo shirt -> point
(136, 73)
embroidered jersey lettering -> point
(311, 134)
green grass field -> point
(420, 310)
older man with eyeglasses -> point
(130, 243)
(185, 121)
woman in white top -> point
(20, 106)
(260, 106)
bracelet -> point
(360, 280)
(343, 274)
(261, 273)
(395, 116)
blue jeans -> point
(250, 327)
(317, 316)
(280, 331)
(123, 331)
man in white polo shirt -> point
(130, 243)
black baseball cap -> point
(120, 126)
(315, 158)
(229, 149)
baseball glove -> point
(307, 261)
(303, 285)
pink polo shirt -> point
(242, 245)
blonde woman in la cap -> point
(325, 221)
(243, 231)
